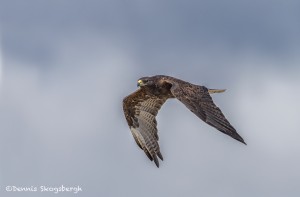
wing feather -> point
(198, 100)
(140, 109)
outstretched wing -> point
(140, 109)
(199, 101)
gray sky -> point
(65, 67)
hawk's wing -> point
(198, 100)
(140, 110)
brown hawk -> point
(141, 107)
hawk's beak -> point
(140, 83)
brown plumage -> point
(141, 107)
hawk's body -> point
(141, 107)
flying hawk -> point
(141, 107)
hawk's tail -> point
(211, 91)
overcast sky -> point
(65, 67)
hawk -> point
(141, 107)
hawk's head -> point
(145, 81)
(155, 85)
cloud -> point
(67, 125)
(66, 73)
